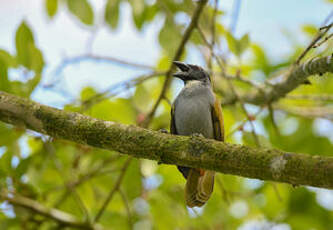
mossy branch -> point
(197, 152)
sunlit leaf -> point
(310, 30)
(170, 30)
(232, 43)
(111, 13)
(243, 43)
(236, 46)
(4, 82)
(28, 54)
(132, 183)
(82, 10)
(7, 58)
(51, 7)
(24, 43)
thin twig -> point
(222, 63)
(91, 57)
(127, 207)
(114, 189)
(237, 78)
(313, 97)
(96, 171)
(328, 26)
(225, 195)
(59, 168)
(271, 114)
(96, 57)
(250, 118)
(276, 191)
(323, 41)
(319, 35)
(60, 217)
(291, 81)
(115, 89)
(308, 112)
(242, 124)
(213, 31)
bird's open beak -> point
(183, 74)
(182, 66)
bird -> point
(196, 111)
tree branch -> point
(293, 79)
(54, 214)
(196, 152)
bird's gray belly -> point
(194, 116)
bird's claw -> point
(197, 135)
(163, 131)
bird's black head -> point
(190, 72)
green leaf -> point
(105, 110)
(249, 139)
(8, 135)
(22, 167)
(88, 93)
(232, 43)
(82, 10)
(168, 44)
(141, 16)
(28, 54)
(138, 7)
(7, 58)
(310, 30)
(51, 7)
(32, 83)
(132, 182)
(302, 204)
(5, 162)
(111, 13)
(24, 40)
(140, 98)
(243, 43)
(36, 59)
(4, 82)
(237, 47)
(260, 60)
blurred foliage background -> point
(77, 179)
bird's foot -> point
(202, 172)
(197, 135)
(163, 131)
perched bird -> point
(196, 110)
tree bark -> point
(197, 152)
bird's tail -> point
(199, 187)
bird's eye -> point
(203, 75)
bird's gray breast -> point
(193, 110)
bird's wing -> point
(173, 129)
(217, 120)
